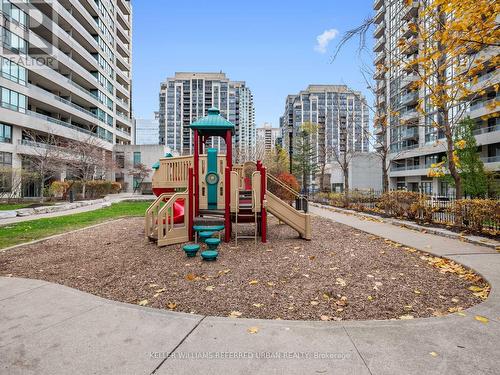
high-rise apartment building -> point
(267, 136)
(414, 143)
(65, 75)
(187, 96)
(340, 114)
(146, 131)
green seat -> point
(212, 243)
(209, 255)
(191, 250)
(204, 235)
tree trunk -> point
(385, 174)
(83, 190)
(346, 185)
(449, 153)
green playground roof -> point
(213, 121)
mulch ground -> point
(342, 274)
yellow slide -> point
(299, 221)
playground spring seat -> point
(209, 255)
(212, 243)
(191, 250)
(205, 235)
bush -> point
(290, 181)
(401, 203)
(94, 188)
(476, 214)
(58, 189)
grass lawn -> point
(12, 206)
(35, 229)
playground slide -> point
(299, 221)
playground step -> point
(212, 212)
(208, 221)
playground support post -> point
(190, 203)
(196, 161)
(227, 198)
(263, 189)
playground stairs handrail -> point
(170, 233)
(151, 228)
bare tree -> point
(343, 154)
(89, 160)
(140, 171)
(46, 156)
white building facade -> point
(65, 75)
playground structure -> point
(206, 189)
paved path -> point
(51, 329)
(113, 198)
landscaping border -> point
(476, 240)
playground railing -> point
(168, 231)
(151, 228)
(173, 172)
(279, 188)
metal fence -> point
(435, 209)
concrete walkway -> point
(52, 329)
(110, 199)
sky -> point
(277, 47)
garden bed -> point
(342, 274)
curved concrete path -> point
(51, 329)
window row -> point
(13, 100)
(5, 133)
(12, 71)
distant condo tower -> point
(187, 96)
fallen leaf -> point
(270, 283)
(340, 281)
(305, 275)
(475, 288)
(171, 305)
(258, 305)
(406, 317)
(235, 314)
(325, 318)
(434, 354)
(312, 257)
(481, 319)
(253, 330)
(190, 276)
(144, 302)
(461, 313)
(153, 285)
(253, 282)
(210, 288)
(416, 291)
(370, 298)
(314, 303)
(160, 290)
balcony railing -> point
(62, 123)
(490, 129)
(491, 159)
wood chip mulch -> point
(342, 274)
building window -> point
(13, 100)
(13, 71)
(5, 133)
(13, 42)
(137, 158)
(426, 188)
(120, 160)
(5, 172)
